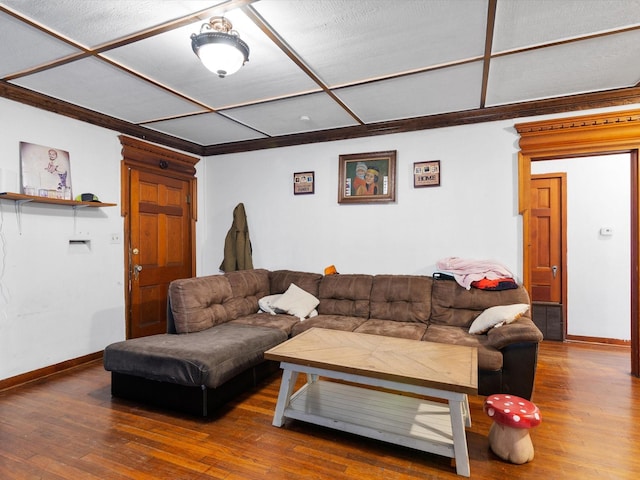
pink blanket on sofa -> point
(466, 271)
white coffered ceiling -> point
(316, 67)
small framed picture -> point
(367, 177)
(303, 183)
(426, 174)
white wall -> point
(473, 214)
(598, 195)
(58, 302)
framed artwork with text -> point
(426, 174)
(303, 183)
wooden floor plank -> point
(68, 426)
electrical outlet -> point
(115, 238)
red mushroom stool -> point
(509, 433)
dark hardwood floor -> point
(68, 426)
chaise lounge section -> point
(217, 335)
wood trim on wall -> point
(607, 98)
(578, 136)
(597, 134)
(50, 104)
(604, 341)
(50, 370)
(158, 159)
(152, 156)
(155, 158)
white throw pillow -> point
(266, 303)
(296, 301)
(496, 316)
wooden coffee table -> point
(438, 371)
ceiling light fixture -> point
(219, 47)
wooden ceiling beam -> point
(585, 101)
(488, 46)
(609, 98)
(50, 104)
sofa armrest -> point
(522, 330)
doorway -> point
(158, 201)
(595, 134)
(596, 219)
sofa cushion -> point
(489, 358)
(345, 294)
(393, 328)
(282, 321)
(201, 302)
(281, 279)
(404, 298)
(333, 322)
(454, 305)
(208, 358)
(247, 287)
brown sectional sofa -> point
(216, 336)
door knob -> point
(136, 271)
(554, 271)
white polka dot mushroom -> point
(509, 433)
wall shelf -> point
(20, 199)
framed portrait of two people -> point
(367, 177)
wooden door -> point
(158, 203)
(546, 237)
(160, 247)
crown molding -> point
(50, 104)
(601, 132)
(609, 98)
(572, 103)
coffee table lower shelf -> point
(410, 421)
(407, 421)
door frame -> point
(152, 158)
(617, 132)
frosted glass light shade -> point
(222, 53)
(220, 58)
